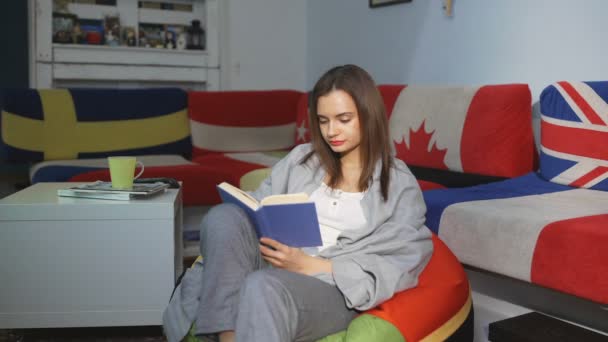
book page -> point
(241, 195)
(285, 199)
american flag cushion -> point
(574, 134)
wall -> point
(536, 42)
(14, 61)
(264, 44)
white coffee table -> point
(71, 262)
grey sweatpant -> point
(241, 292)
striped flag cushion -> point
(483, 130)
(302, 121)
(59, 124)
(243, 121)
(574, 134)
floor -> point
(120, 334)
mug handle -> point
(141, 171)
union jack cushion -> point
(574, 134)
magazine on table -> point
(104, 190)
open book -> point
(290, 219)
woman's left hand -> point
(291, 258)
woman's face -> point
(339, 122)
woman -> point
(372, 224)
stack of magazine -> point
(104, 190)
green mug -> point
(122, 170)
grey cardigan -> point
(371, 264)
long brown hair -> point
(375, 143)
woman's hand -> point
(292, 259)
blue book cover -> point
(290, 219)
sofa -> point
(542, 235)
(450, 137)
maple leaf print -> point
(418, 152)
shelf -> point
(73, 65)
(103, 54)
(107, 72)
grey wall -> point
(266, 44)
(536, 42)
(14, 61)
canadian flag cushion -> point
(574, 134)
(483, 130)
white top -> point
(337, 211)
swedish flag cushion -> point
(52, 124)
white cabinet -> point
(57, 65)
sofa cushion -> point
(483, 130)
(529, 229)
(243, 121)
(55, 124)
(230, 167)
(302, 121)
(574, 134)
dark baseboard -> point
(551, 302)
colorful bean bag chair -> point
(438, 309)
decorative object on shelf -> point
(181, 41)
(112, 30)
(77, 34)
(92, 30)
(169, 40)
(63, 26)
(196, 36)
(128, 37)
(151, 35)
(447, 7)
(380, 3)
(171, 34)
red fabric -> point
(418, 153)
(198, 181)
(426, 185)
(497, 137)
(571, 256)
(244, 108)
(390, 93)
(442, 291)
(302, 120)
(578, 141)
(580, 101)
(598, 171)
